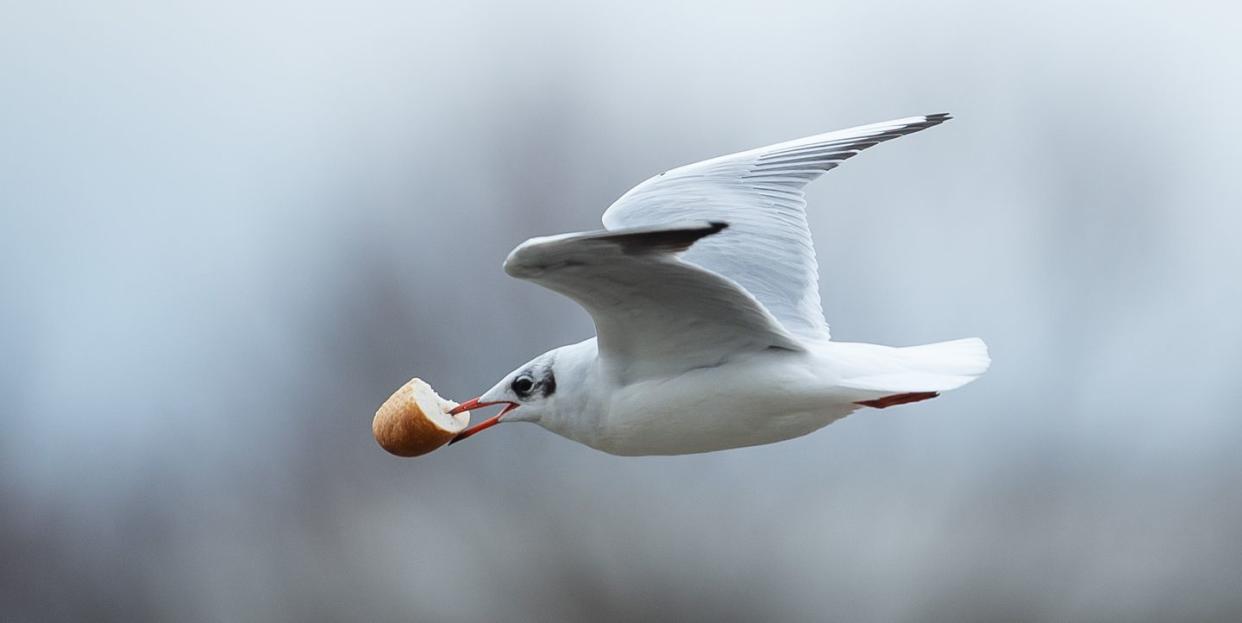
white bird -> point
(705, 296)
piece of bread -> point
(415, 420)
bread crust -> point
(404, 428)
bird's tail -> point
(927, 369)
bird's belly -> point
(749, 403)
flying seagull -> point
(710, 335)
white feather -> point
(768, 248)
(724, 345)
(654, 314)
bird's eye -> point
(522, 385)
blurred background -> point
(229, 230)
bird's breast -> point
(762, 398)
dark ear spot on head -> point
(548, 385)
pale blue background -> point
(228, 231)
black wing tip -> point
(928, 121)
(708, 228)
(673, 237)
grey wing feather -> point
(768, 248)
(654, 314)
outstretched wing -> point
(654, 314)
(768, 248)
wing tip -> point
(529, 258)
(910, 125)
(674, 237)
(925, 121)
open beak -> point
(473, 404)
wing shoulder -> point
(653, 312)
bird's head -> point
(527, 394)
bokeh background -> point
(228, 230)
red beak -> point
(473, 404)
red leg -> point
(897, 399)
